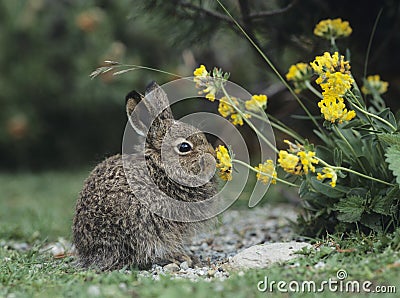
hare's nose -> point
(206, 162)
(202, 163)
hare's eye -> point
(184, 147)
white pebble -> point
(184, 265)
(94, 290)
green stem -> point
(370, 41)
(354, 172)
(360, 106)
(350, 147)
(313, 90)
(371, 114)
(278, 126)
(271, 65)
(255, 129)
(333, 44)
(131, 67)
(263, 173)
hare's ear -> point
(157, 102)
(154, 106)
(132, 101)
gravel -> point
(236, 231)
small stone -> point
(320, 264)
(172, 267)
(263, 255)
(219, 287)
(184, 265)
(20, 246)
(210, 273)
(204, 245)
(201, 272)
(94, 290)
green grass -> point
(39, 208)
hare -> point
(116, 222)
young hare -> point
(117, 222)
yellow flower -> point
(331, 29)
(336, 83)
(203, 79)
(335, 80)
(237, 119)
(256, 103)
(307, 160)
(329, 173)
(268, 171)
(297, 160)
(226, 110)
(330, 63)
(224, 163)
(299, 73)
(211, 95)
(289, 162)
(334, 109)
(294, 148)
(200, 72)
(374, 83)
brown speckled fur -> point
(113, 229)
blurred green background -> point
(53, 116)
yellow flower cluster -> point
(307, 159)
(289, 162)
(298, 74)
(297, 161)
(200, 72)
(224, 163)
(374, 83)
(226, 109)
(336, 83)
(334, 109)
(203, 79)
(268, 171)
(329, 173)
(330, 63)
(256, 103)
(335, 80)
(332, 29)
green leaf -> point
(350, 208)
(325, 138)
(393, 159)
(382, 205)
(324, 153)
(388, 116)
(390, 139)
(351, 124)
(337, 157)
(372, 221)
(324, 188)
